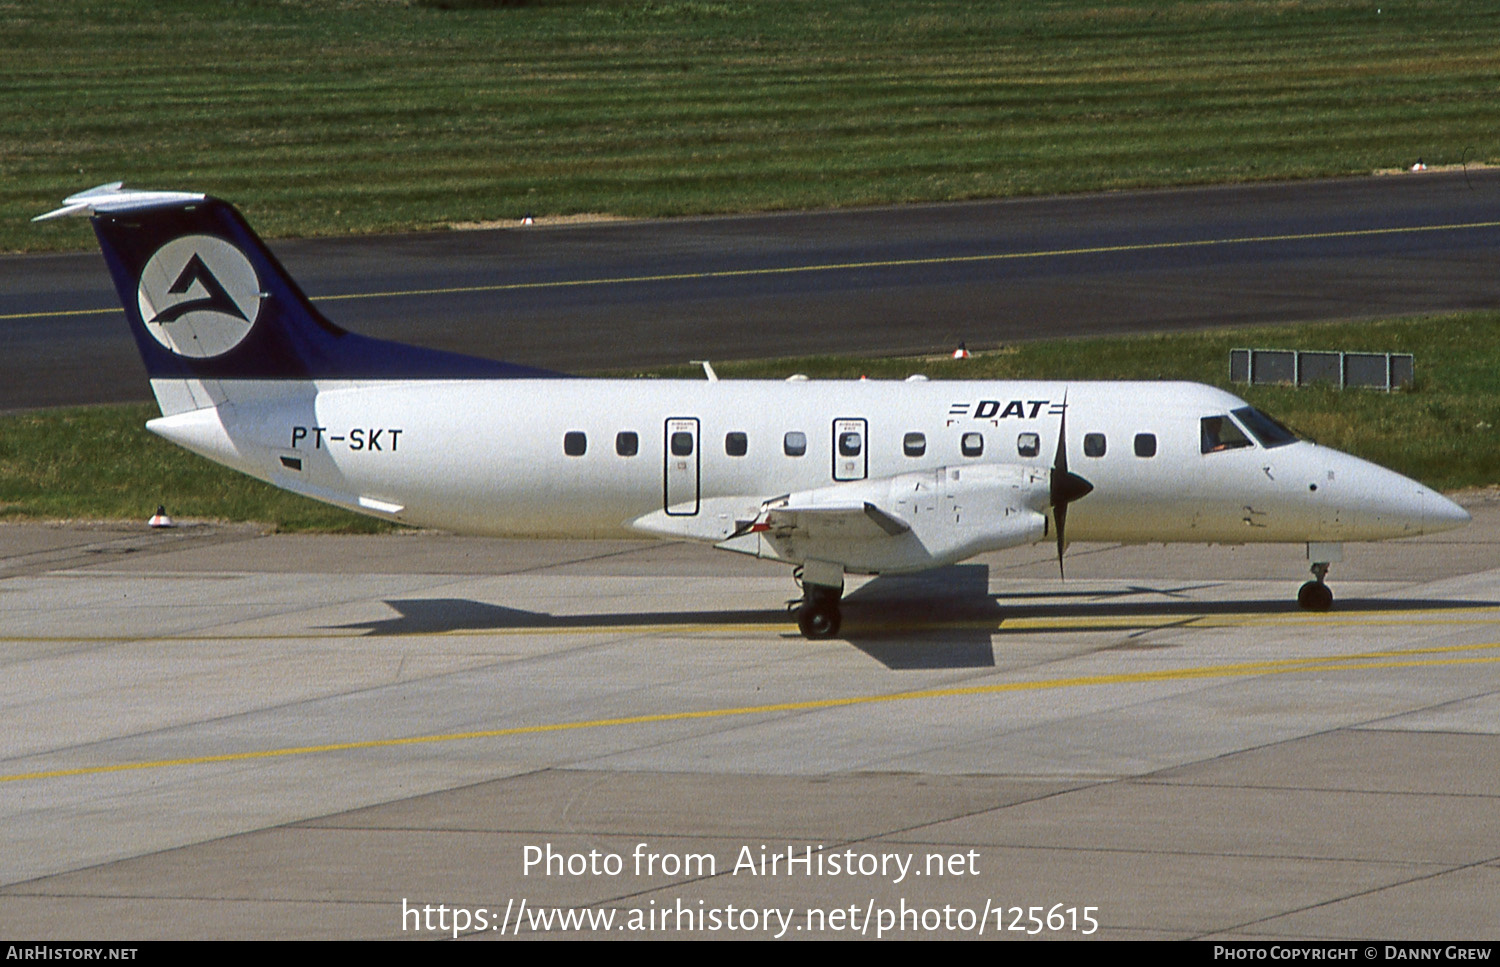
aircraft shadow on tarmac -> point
(946, 618)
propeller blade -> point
(1064, 486)
(1060, 513)
(1060, 458)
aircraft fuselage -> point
(589, 457)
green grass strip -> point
(370, 115)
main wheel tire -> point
(819, 619)
(1315, 596)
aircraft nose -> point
(1441, 514)
(1374, 503)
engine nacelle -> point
(912, 521)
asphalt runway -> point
(208, 732)
(907, 280)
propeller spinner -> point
(1065, 486)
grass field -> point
(100, 463)
(339, 116)
(323, 117)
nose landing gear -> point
(1315, 595)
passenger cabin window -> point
(1145, 444)
(1220, 433)
(795, 443)
(972, 444)
(736, 444)
(1269, 431)
(682, 444)
(1028, 444)
(914, 444)
(850, 444)
(627, 444)
(1093, 444)
(575, 443)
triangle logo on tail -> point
(199, 296)
(217, 299)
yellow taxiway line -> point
(1428, 657)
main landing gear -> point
(822, 586)
(819, 616)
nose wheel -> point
(1315, 595)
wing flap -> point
(859, 521)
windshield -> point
(1267, 429)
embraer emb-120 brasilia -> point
(833, 477)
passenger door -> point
(681, 467)
(851, 458)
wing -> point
(907, 522)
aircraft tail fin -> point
(206, 300)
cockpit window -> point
(1221, 433)
(1268, 430)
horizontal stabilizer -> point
(113, 199)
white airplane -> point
(835, 478)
